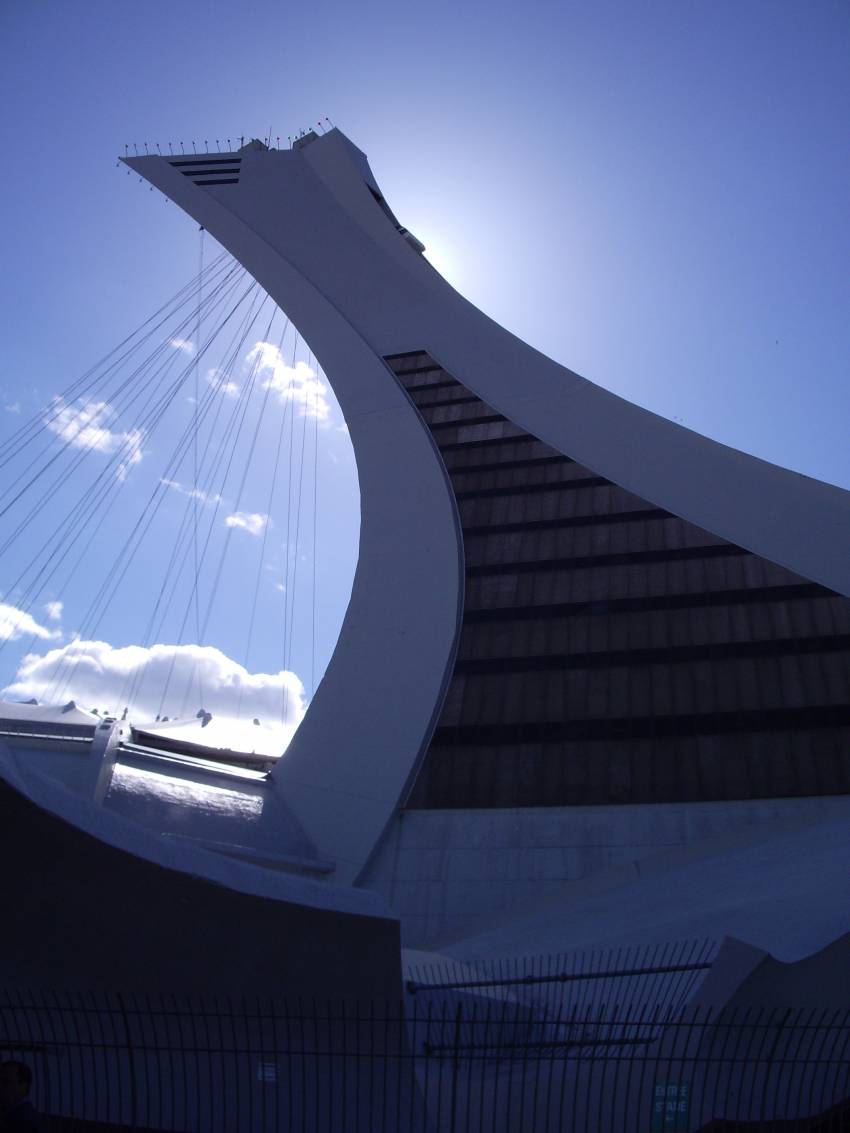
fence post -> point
(131, 1059)
(456, 1064)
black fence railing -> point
(484, 1063)
(574, 982)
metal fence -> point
(486, 1062)
(575, 982)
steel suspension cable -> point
(231, 453)
(262, 554)
(76, 519)
(34, 424)
(123, 560)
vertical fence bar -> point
(358, 1066)
(273, 1013)
(464, 1064)
(42, 1075)
(198, 1010)
(208, 1050)
(75, 1014)
(131, 1069)
(717, 1036)
(412, 1031)
(455, 1065)
(39, 1047)
(221, 1109)
(290, 1101)
(233, 1064)
(96, 1017)
(842, 1059)
(802, 1034)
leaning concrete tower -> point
(593, 683)
(577, 630)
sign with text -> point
(671, 1103)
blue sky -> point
(655, 194)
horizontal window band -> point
(210, 172)
(431, 368)
(486, 442)
(446, 401)
(617, 558)
(533, 489)
(407, 354)
(463, 422)
(433, 385)
(672, 655)
(644, 727)
(207, 161)
(231, 181)
(498, 465)
(699, 600)
(569, 521)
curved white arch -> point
(373, 712)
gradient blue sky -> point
(654, 193)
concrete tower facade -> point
(573, 613)
(580, 636)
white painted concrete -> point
(371, 717)
(120, 831)
(454, 874)
(783, 886)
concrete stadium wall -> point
(451, 873)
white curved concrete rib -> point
(311, 226)
(374, 711)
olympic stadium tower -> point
(592, 686)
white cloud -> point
(54, 610)
(182, 344)
(97, 675)
(192, 493)
(15, 407)
(298, 384)
(253, 522)
(15, 623)
(86, 426)
(228, 388)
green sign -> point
(671, 1103)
